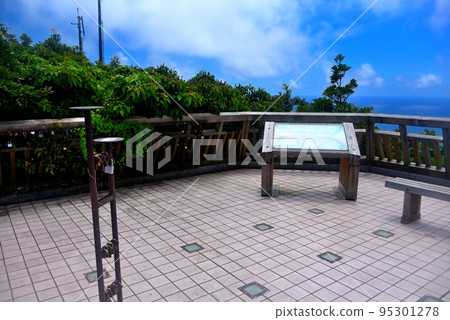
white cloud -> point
(440, 17)
(326, 69)
(428, 80)
(366, 76)
(124, 60)
(255, 38)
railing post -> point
(446, 138)
(370, 142)
(405, 145)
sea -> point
(415, 106)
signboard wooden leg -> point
(267, 174)
(349, 177)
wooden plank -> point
(396, 145)
(387, 147)
(13, 166)
(319, 117)
(305, 117)
(267, 155)
(208, 144)
(175, 147)
(269, 128)
(437, 155)
(446, 138)
(370, 143)
(379, 146)
(418, 187)
(349, 176)
(219, 128)
(360, 133)
(352, 142)
(416, 152)
(245, 128)
(40, 124)
(405, 145)
(426, 153)
(390, 134)
(423, 137)
(267, 174)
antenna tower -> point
(81, 33)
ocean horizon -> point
(413, 106)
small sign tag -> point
(109, 169)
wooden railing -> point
(402, 151)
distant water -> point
(414, 106)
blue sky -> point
(398, 48)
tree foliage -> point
(336, 95)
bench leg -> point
(411, 207)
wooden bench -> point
(414, 190)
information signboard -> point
(330, 137)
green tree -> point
(25, 40)
(337, 91)
(285, 101)
(336, 95)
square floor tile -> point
(193, 247)
(253, 290)
(330, 257)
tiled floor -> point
(46, 246)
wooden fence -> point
(402, 151)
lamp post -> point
(100, 33)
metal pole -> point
(100, 33)
(80, 40)
(115, 230)
(94, 204)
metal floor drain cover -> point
(316, 211)
(428, 298)
(253, 290)
(92, 276)
(330, 257)
(383, 233)
(263, 227)
(193, 247)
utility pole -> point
(81, 34)
(100, 33)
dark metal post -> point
(94, 204)
(115, 230)
(100, 33)
(80, 25)
(112, 246)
